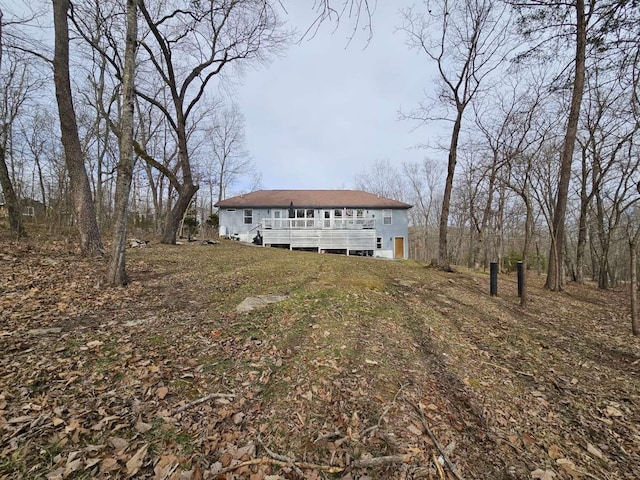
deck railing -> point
(319, 223)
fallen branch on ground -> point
(282, 458)
(328, 436)
(206, 398)
(439, 467)
(435, 441)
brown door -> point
(398, 247)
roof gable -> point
(311, 199)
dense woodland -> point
(541, 98)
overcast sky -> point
(327, 109)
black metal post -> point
(520, 271)
(493, 279)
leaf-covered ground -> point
(368, 369)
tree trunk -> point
(174, 217)
(554, 272)
(41, 184)
(83, 204)
(187, 190)
(582, 223)
(443, 257)
(117, 272)
(10, 197)
(633, 260)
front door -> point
(398, 247)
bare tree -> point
(117, 274)
(17, 84)
(608, 150)
(84, 207)
(185, 48)
(229, 148)
(14, 91)
(466, 41)
(359, 11)
(573, 23)
(424, 181)
(526, 131)
(633, 235)
(382, 178)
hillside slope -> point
(367, 369)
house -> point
(33, 208)
(335, 221)
(30, 207)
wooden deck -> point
(323, 234)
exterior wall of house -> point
(398, 228)
(234, 221)
(391, 224)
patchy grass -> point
(361, 355)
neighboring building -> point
(33, 208)
(339, 221)
(30, 207)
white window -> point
(248, 217)
(379, 242)
(386, 217)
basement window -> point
(248, 217)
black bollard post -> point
(520, 271)
(493, 279)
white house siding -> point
(398, 228)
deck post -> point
(493, 279)
(520, 270)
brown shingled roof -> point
(311, 199)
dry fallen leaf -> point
(91, 462)
(165, 467)
(569, 467)
(135, 462)
(143, 427)
(527, 439)
(237, 418)
(555, 452)
(72, 465)
(613, 411)
(543, 474)
(162, 392)
(594, 451)
(118, 444)
(108, 465)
